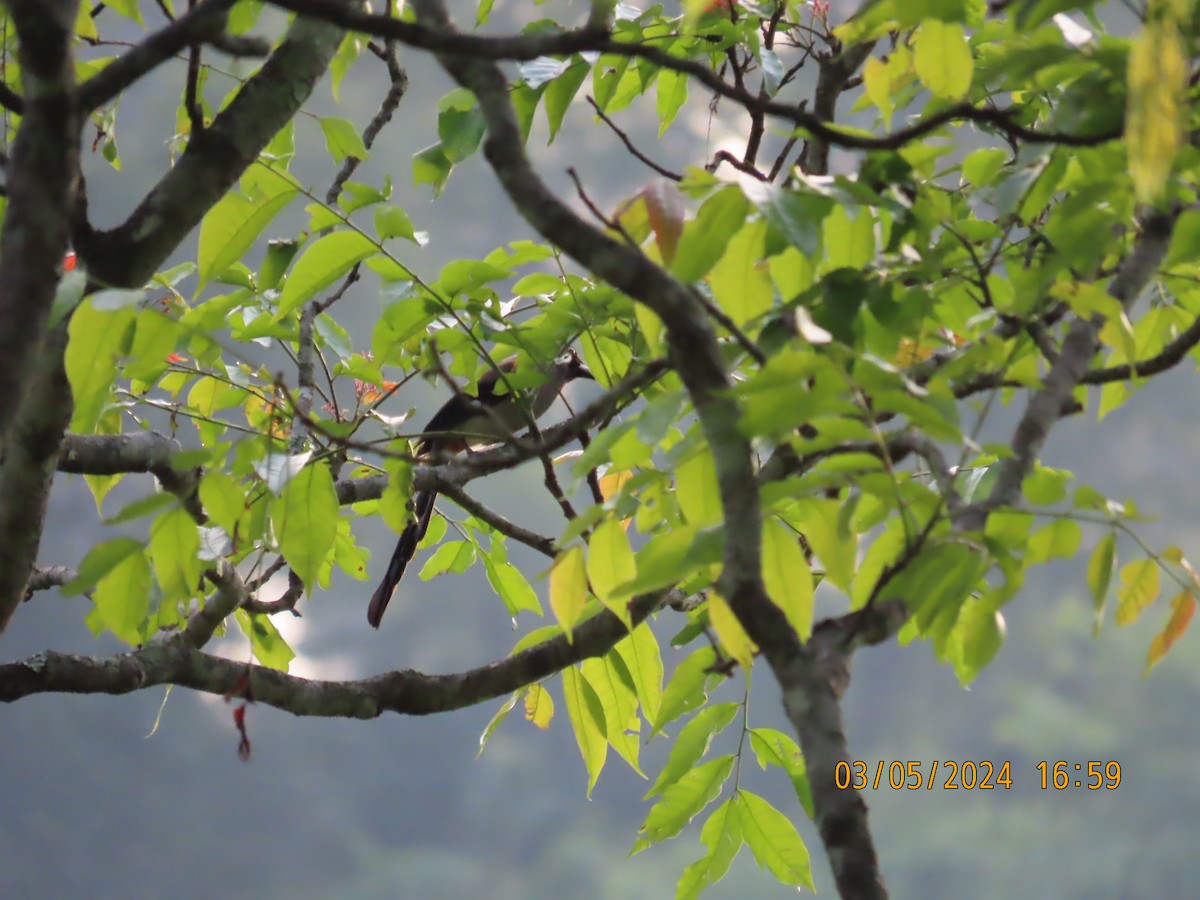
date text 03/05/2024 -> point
(984, 775)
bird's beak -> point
(582, 371)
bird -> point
(465, 422)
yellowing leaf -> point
(943, 59)
(733, 636)
(568, 588)
(539, 706)
(664, 203)
(1158, 75)
(1183, 607)
(1139, 588)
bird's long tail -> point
(406, 547)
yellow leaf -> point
(539, 706)
(1158, 74)
(733, 636)
(1139, 588)
(568, 588)
(1183, 607)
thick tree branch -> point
(27, 471)
(128, 255)
(144, 451)
(40, 182)
(175, 661)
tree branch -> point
(142, 452)
(128, 255)
(1069, 370)
(27, 471)
(202, 24)
(40, 180)
(446, 41)
(175, 661)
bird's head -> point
(571, 366)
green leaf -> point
(568, 588)
(696, 489)
(122, 598)
(669, 557)
(392, 221)
(774, 841)
(704, 238)
(1140, 585)
(684, 800)
(692, 743)
(977, 637)
(266, 642)
(431, 166)
(672, 94)
(460, 131)
(98, 562)
(686, 689)
(304, 517)
(174, 543)
(232, 226)
(938, 580)
(722, 835)
(587, 718)
(452, 556)
(609, 679)
(320, 265)
(943, 59)
(797, 216)
(494, 723)
(835, 545)
(610, 562)
(511, 586)
(95, 339)
(772, 747)
(342, 139)
(1058, 540)
(643, 661)
(787, 576)
(741, 284)
(1101, 565)
(561, 91)
(980, 167)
